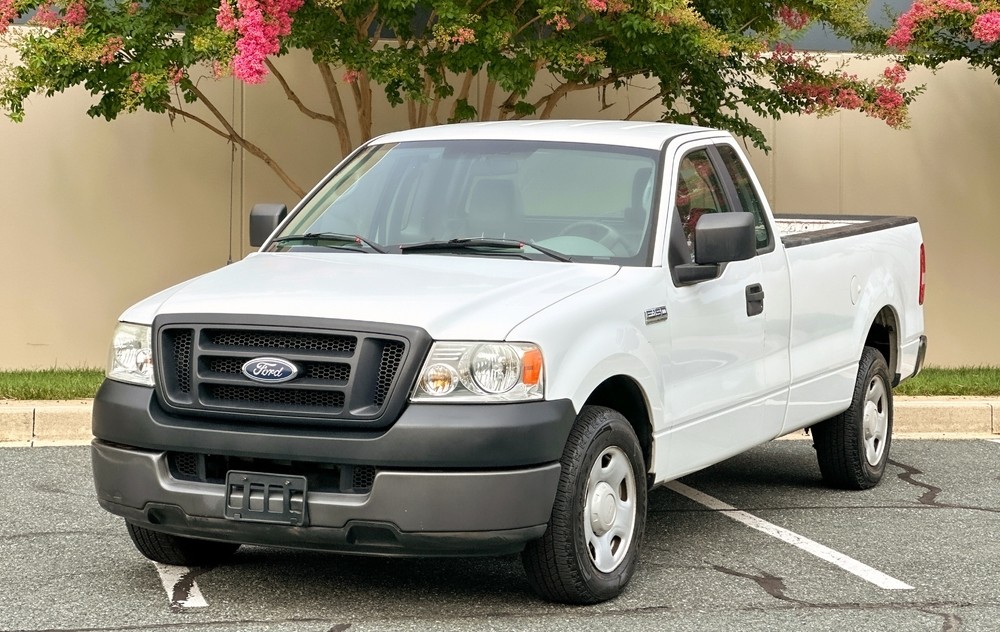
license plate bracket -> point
(270, 498)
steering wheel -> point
(602, 234)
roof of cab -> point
(621, 133)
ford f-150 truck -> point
(491, 338)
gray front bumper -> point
(405, 513)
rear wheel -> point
(177, 550)
(590, 549)
(853, 447)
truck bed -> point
(800, 230)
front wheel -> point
(590, 550)
(177, 550)
(853, 447)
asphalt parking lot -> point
(932, 528)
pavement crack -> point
(772, 584)
(929, 497)
(952, 622)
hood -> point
(451, 297)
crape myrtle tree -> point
(932, 32)
(709, 62)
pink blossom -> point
(986, 28)
(351, 76)
(260, 26)
(175, 75)
(792, 18)
(848, 99)
(133, 8)
(464, 35)
(600, 6)
(46, 16)
(888, 98)
(7, 14)
(136, 79)
(224, 19)
(586, 58)
(111, 48)
(896, 74)
(219, 70)
(558, 22)
(76, 13)
(922, 11)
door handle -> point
(755, 299)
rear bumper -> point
(404, 513)
(912, 357)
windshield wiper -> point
(341, 237)
(482, 242)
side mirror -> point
(724, 237)
(718, 239)
(264, 218)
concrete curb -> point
(35, 423)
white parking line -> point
(849, 564)
(181, 589)
(995, 440)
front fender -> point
(601, 333)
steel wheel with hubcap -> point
(853, 447)
(590, 548)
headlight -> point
(480, 372)
(131, 358)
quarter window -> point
(746, 192)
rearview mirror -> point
(264, 218)
(718, 239)
(724, 237)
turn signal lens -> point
(531, 373)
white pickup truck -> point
(488, 338)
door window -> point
(699, 191)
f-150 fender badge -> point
(656, 314)
(270, 370)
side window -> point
(698, 191)
(746, 192)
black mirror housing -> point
(724, 237)
(264, 218)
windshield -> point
(589, 203)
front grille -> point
(341, 375)
(320, 477)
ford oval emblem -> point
(270, 370)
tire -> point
(853, 447)
(177, 550)
(591, 547)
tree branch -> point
(253, 149)
(647, 103)
(294, 98)
(491, 88)
(333, 94)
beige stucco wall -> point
(97, 215)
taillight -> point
(923, 273)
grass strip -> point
(50, 384)
(980, 381)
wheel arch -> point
(883, 335)
(625, 395)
